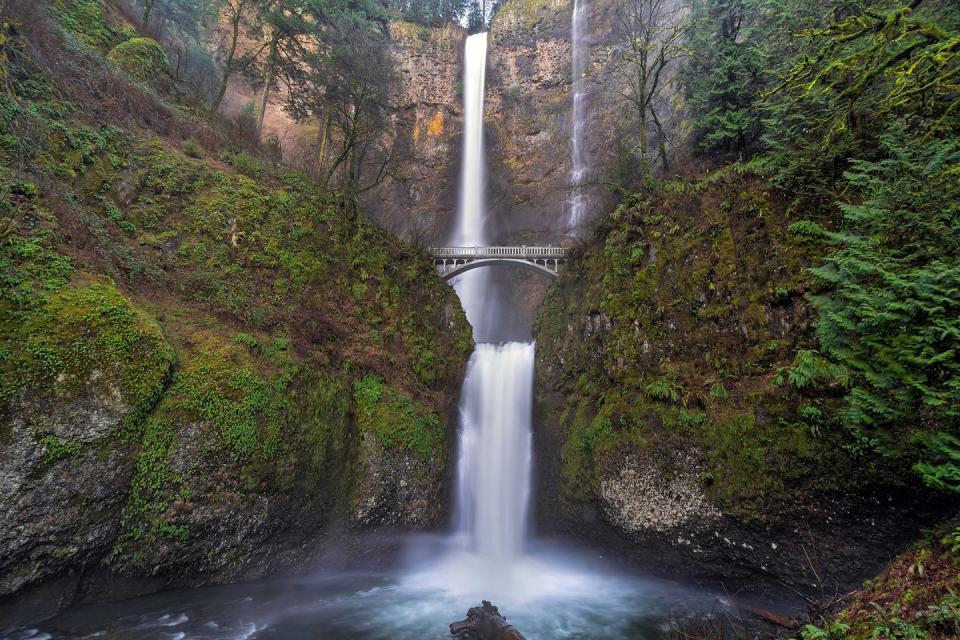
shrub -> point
(140, 58)
(192, 148)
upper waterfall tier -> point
(470, 226)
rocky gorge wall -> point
(417, 199)
(671, 429)
(529, 105)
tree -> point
(298, 32)
(343, 82)
(429, 12)
(235, 13)
(650, 33)
(868, 67)
(475, 20)
(282, 26)
(184, 13)
(724, 75)
(868, 114)
(147, 10)
(737, 51)
(889, 311)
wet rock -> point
(63, 481)
(397, 488)
(485, 623)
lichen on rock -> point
(640, 495)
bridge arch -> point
(452, 261)
(451, 272)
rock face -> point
(65, 464)
(419, 200)
(60, 506)
(638, 496)
(529, 109)
(528, 105)
(667, 431)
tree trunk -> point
(228, 64)
(661, 142)
(147, 10)
(322, 146)
(644, 142)
(267, 81)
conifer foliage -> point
(890, 312)
(854, 108)
(874, 109)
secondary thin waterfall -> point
(579, 171)
(494, 466)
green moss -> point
(280, 426)
(85, 331)
(250, 271)
(577, 453)
(55, 448)
(91, 21)
(396, 420)
(679, 336)
(145, 515)
(220, 386)
(59, 332)
(141, 58)
(915, 597)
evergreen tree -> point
(890, 311)
(892, 61)
(725, 74)
(343, 82)
(475, 21)
(430, 12)
(869, 114)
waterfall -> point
(579, 171)
(495, 449)
(490, 555)
(470, 227)
(493, 484)
(471, 209)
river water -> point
(545, 592)
(376, 606)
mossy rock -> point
(95, 22)
(396, 420)
(78, 335)
(141, 58)
(676, 339)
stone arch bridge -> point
(452, 261)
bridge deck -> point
(520, 253)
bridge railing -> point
(498, 252)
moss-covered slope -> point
(184, 342)
(914, 597)
(665, 355)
